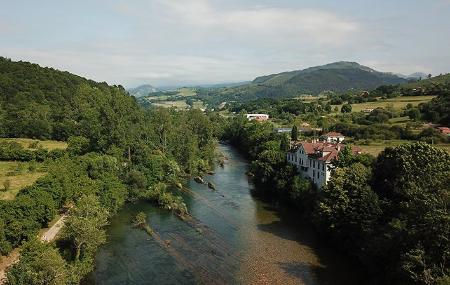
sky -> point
(189, 42)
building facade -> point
(313, 160)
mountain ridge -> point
(142, 90)
(337, 77)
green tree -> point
(346, 108)
(413, 114)
(347, 158)
(348, 209)
(5, 245)
(78, 145)
(39, 264)
(412, 183)
(140, 220)
(84, 226)
(294, 133)
(284, 143)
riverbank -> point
(231, 238)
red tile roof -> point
(444, 130)
(317, 149)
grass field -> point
(187, 92)
(310, 98)
(181, 104)
(396, 103)
(19, 175)
(374, 148)
(27, 143)
(198, 105)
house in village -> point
(444, 130)
(333, 137)
(257, 117)
(282, 130)
(313, 159)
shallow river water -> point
(232, 238)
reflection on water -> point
(231, 238)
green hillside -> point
(45, 103)
(336, 77)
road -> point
(51, 233)
(47, 236)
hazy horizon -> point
(196, 42)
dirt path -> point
(51, 233)
(47, 236)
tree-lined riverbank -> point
(231, 237)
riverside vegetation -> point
(117, 152)
(391, 213)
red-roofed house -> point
(444, 130)
(258, 117)
(313, 160)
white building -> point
(313, 160)
(333, 137)
(258, 117)
(282, 130)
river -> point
(232, 238)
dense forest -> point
(117, 152)
(392, 212)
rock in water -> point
(198, 179)
(211, 186)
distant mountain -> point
(414, 76)
(223, 85)
(142, 90)
(418, 75)
(338, 77)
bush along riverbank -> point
(95, 185)
(140, 221)
(392, 212)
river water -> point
(232, 238)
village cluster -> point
(313, 159)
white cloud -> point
(195, 41)
(164, 42)
(262, 24)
